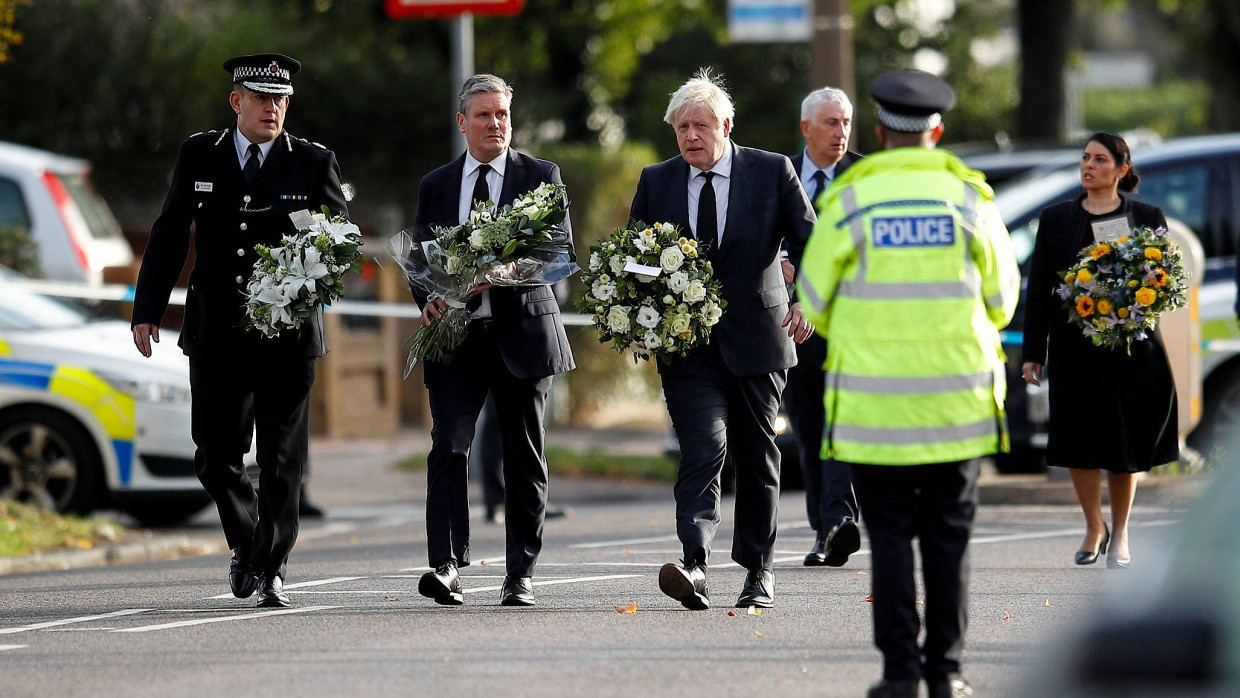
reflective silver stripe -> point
(909, 291)
(912, 436)
(914, 385)
(817, 303)
(848, 199)
(995, 301)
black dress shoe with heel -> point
(951, 686)
(443, 584)
(241, 576)
(817, 556)
(892, 689)
(1089, 557)
(517, 591)
(271, 593)
(842, 541)
(759, 590)
(685, 584)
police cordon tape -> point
(124, 293)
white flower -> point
(669, 300)
(645, 240)
(679, 323)
(454, 265)
(603, 289)
(695, 292)
(652, 341)
(671, 259)
(531, 210)
(648, 317)
(711, 312)
(595, 262)
(476, 240)
(616, 263)
(689, 247)
(667, 229)
(678, 282)
(618, 319)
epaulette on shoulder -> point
(303, 140)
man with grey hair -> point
(742, 205)
(515, 344)
(826, 125)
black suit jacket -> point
(849, 158)
(527, 320)
(209, 193)
(766, 207)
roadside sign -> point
(408, 9)
(770, 20)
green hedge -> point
(1169, 109)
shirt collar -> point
(499, 164)
(723, 168)
(243, 146)
(808, 168)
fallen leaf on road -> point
(1048, 602)
(1007, 616)
(731, 613)
(627, 609)
(869, 599)
(754, 611)
(757, 634)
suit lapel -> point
(514, 179)
(277, 161)
(741, 180)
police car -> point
(85, 421)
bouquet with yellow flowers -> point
(1118, 289)
(649, 289)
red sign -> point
(407, 9)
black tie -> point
(707, 216)
(251, 164)
(481, 191)
(820, 183)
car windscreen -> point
(99, 218)
(21, 309)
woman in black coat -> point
(1110, 410)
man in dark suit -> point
(742, 204)
(515, 344)
(236, 187)
(826, 124)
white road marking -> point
(70, 621)
(4, 648)
(222, 619)
(549, 582)
(299, 585)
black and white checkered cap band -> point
(908, 124)
(271, 79)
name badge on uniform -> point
(203, 186)
(914, 231)
(1111, 229)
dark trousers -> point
(457, 392)
(240, 394)
(486, 458)
(715, 414)
(829, 495)
(935, 503)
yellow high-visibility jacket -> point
(910, 275)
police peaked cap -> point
(264, 72)
(911, 101)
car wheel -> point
(48, 460)
(1219, 430)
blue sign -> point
(770, 20)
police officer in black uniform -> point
(236, 188)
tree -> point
(9, 35)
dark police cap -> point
(264, 72)
(911, 101)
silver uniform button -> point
(244, 226)
(240, 279)
(246, 198)
(240, 252)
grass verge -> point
(567, 462)
(25, 530)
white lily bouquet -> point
(304, 271)
(521, 244)
(649, 289)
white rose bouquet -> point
(522, 244)
(650, 290)
(304, 271)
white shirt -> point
(243, 148)
(721, 182)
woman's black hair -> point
(1123, 156)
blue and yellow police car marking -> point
(114, 410)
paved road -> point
(359, 628)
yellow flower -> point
(1160, 277)
(1069, 278)
(1123, 240)
(1122, 312)
(1100, 250)
(1133, 284)
(1085, 305)
(1146, 296)
(1084, 276)
(1153, 253)
(1104, 307)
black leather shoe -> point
(817, 556)
(842, 541)
(271, 593)
(892, 689)
(1089, 557)
(954, 686)
(241, 576)
(495, 513)
(517, 591)
(759, 590)
(685, 584)
(443, 585)
(307, 509)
